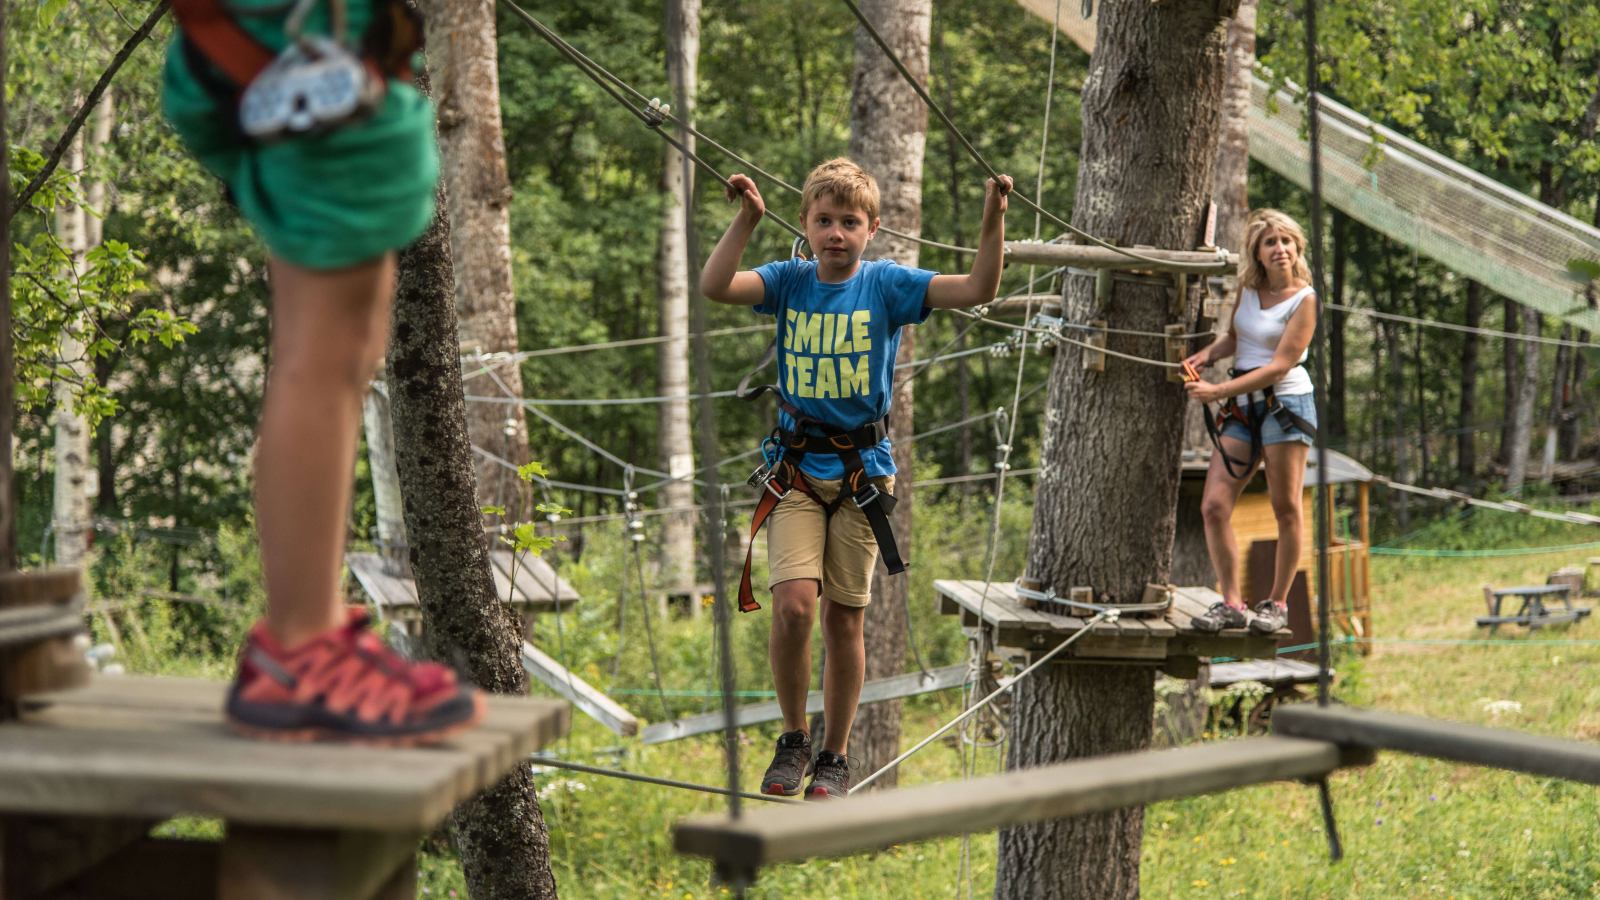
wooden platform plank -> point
(156, 747)
(1475, 744)
(876, 821)
(588, 699)
(879, 689)
(539, 588)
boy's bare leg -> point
(843, 669)
(794, 609)
(329, 329)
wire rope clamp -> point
(656, 112)
(1093, 360)
(1176, 352)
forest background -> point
(174, 315)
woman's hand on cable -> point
(1204, 391)
(744, 190)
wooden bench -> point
(1167, 642)
(1533, 613)
(85, 774)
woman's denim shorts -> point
(1301, 405)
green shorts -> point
(322, 202)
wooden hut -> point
(1256, 528)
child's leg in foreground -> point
(844, 667)
(328, 334)
(794, 605)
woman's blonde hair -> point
(1251, 273)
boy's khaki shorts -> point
(803, 542)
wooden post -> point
(1362, 489)
(1093, 361)
(1175, 350)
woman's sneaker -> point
(831, 781)
(346, 685)
(789, 765)
(1218, 617)
(1270, 617)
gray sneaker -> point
(1218, 617)
(831, 780)
(1269, 618)
(790, 764)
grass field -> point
(1411, 827)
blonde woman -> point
(1267, 413)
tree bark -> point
(672, 379)
(888, 133)
(463, 67)
(1230, 191)
(1521, 411)
(1151, 116)
(1338, 421)
(1558, 404)
(1511, 351)
(1467, 441)
(505, 846)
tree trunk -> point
(463, 66)
(888, 133)
(677, 448)
(1467, 441)
(1397, 419)
(1338, 421)
(1572, 424)
(1230, 191)
(70, 513)
(505, 846)
(1558, 404)
(1521, 411)
(1511, 350)
(1151, 115)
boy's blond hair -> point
(845, 182)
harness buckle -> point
(872, 493)
(762, 478)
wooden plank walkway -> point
(1168, 641)
(157, 747)
(539, 588)
(875, 821)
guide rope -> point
(652, 779)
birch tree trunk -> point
(1521, 412)
(79, 232)
(677, 448)
(1231, 192)
(888, 133)
(463, 67)
(504, 843)
(1151, 117)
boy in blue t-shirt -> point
(839, 330)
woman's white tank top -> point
(1259, 331)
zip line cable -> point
(500, 359)
(651, 779)
(1465, 329)
(977, 157)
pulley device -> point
(779, 474)
(316, 85)
(1230, 409)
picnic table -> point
(1533, 613)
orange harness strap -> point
(230, 48)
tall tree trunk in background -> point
(952, 159)
(1558, 404)
(672, 280)
(70, 513)
(1466, 418)
(1397, 418)
(1338, 421)
(1231, 192)
(888, 133)
(505, 846)
(463, 65)
(1151, 115)
(1511, 350)
(1521, 412)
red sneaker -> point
(346, 685)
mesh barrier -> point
(1475, 226)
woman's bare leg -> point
(1216, 510)
(328, 334)
(1286, 475)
